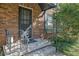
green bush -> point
(66, 45)
(67, 36)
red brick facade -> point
(9, 20)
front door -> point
(25, 19)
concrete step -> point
(45, 51)
(23, 49)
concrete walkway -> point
(46, 51)
(38, 48)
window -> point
(48, 22)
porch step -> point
(45, 51)
(21, 49)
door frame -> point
(25, 7)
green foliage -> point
(67, 29)
(69, 16)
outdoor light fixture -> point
(46, 6)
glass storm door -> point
(25, 19)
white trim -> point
(26, 7)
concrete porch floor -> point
(39, 48)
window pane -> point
(48, 23)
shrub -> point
(66, 39)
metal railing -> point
(11, 45)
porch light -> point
(46, 6)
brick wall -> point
(9, 18)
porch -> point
(25, 44)
(18, 48)
(39, 48)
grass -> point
(67, 46)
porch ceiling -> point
(46, 6)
